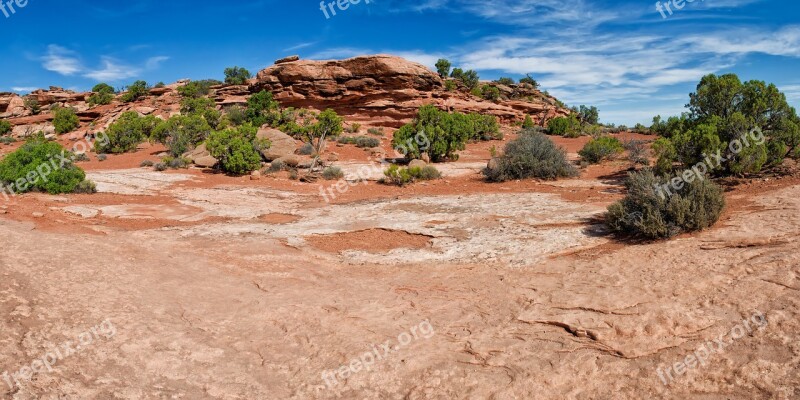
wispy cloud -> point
(24, 89)
(67, 62)
(61, 60)
(300, 46)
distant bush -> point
(530, 81)
(564, 126)
(469, 78)
(135, 91)
(65, 120)
(528, 122)
(601, 149)
(160, 167)
(236, 114)
(7, 139)
(360, 141)
(181, 133)
(332, 173)
(195, 89)
(176, 162)
(306, 149)
(637, 152)
(32, 104)
(375, 131)
(126, 133)
(485, 127)
(80, 157)
(354, 128)
(262, 109)
(102, 157)
(403, 176)
(85, 187)
(531, 155)
(102, 94)
(450, 85)
(146, 163)
(237, 76)
(5, 127)
(159, 85)
(490, 93)
(443, 67)
(24, 168)
(645, 213)
(505, 81)
(203, 107)
(236, 149)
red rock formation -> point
(388, 89)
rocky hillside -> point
(382, 89)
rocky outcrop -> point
(389, 90)
(12, 105)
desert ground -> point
(193, 284)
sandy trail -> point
(522, 299)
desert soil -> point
(230, 288)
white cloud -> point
(67, 62)
(112, 71)
(24, 89)
(61, 60)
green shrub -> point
(176, 162)
(32, 104)
(441, 135)
(485, 127)
(403, 176)
(564, 126)
(490, 93)
(443, 67)
(81, 157)
(5, 127)
(505, 81)
(159, 85)
(85, 187)
(354, 128)
(363, 142)
(262, 109)
(236, 114)
(332, 173)
(126, 133)
(306, 149)
(160, 167)
(181, 133)
(528, 122)
(328, 126)
(276, 166)
(237, 76)
(203, 107)
(450, 85)
(146, 163)
(531, 155)
(102, 157)
(376, 131)
(530, 81)
(601, 149)
(65, 120)
(236, 149)
(469, 78)
(645, 213)
(135, 91)
(102, 94)
(195, 89)
(7, 139)
(37, 166)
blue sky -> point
(621, 56)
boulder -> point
(201, 157)
(281, 144)
(287, 60)
(417, 164)
(289, 160)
